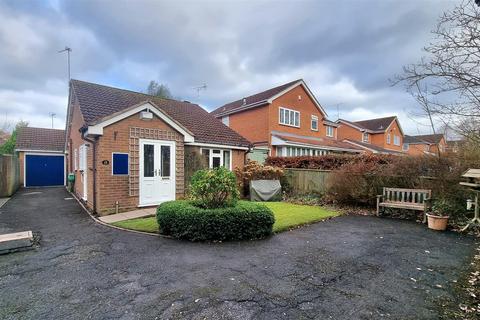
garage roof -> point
(40, 139)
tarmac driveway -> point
(349, 267)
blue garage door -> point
(43, 170)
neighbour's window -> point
(388, 138)
(405, 147)
(396, 140)
(289, 117)
(329, 131)
(217, 158)
(314, 125)
(226, 120)
(365, 137)
(119, 163)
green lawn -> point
(287, 216)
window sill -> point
(289, 125)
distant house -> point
(128, 149)
(284, 121)
(41, 153)
(425, 144)
(380, 135)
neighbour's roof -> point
(378, 124)
(424, 139)
(318, 142)
(99, 101)
(373, 147)
(254, 99)
(4, 136)
(40, 139)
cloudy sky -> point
(346, 51)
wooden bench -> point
(412, 199)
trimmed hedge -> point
(245, 221)
(329, 161)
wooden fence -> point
(9, 175)
(305, 181)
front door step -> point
(16, 241)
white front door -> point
(157, 171)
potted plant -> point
(438, 217)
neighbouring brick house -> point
(41, 154)
(4, 136)
(430, 144)
(128, 149)
(284, 121)
(380, 135)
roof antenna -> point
(199, 88)
(67, 50)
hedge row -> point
(327, 162)
(245, 221)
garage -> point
(44, 170)
(41, 154)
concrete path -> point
(147, 212)
(348, 267)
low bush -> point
(214, 188)
(245, 221)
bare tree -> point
(451, 71)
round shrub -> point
(245, 221)
(214, 188)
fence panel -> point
(9, 175)
(305, 181)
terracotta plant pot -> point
(437, 222)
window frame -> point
(365, 134)
(313, 119)
(405, 147)
(128, 164)
(395, 137)
(289, 112)
(226, 120)
(327, 129)
(220, 155)
(389, 139)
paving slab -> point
(15, 241)
(140, 213)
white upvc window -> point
(365, 137)
(405, 147)
(314, 124)
(330, 131)
(289, 117)
(218, 158)
(226, 120)
(75, 159)
(396, 140)
(82, 159)
(388, 138)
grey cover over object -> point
(265, 190)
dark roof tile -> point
(98, 101)
(42, 139)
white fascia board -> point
(97, 129)
(213, 145)
(309, 92)
(40, 151)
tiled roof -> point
(253, 99)
(98, 101)
(423, 139)
(42, 139)
(365, 145)
(319, 142)
(378, 124)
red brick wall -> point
(252, 124)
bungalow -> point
(380, 135)
(286, 120)
(430, 144)
(128, 149)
